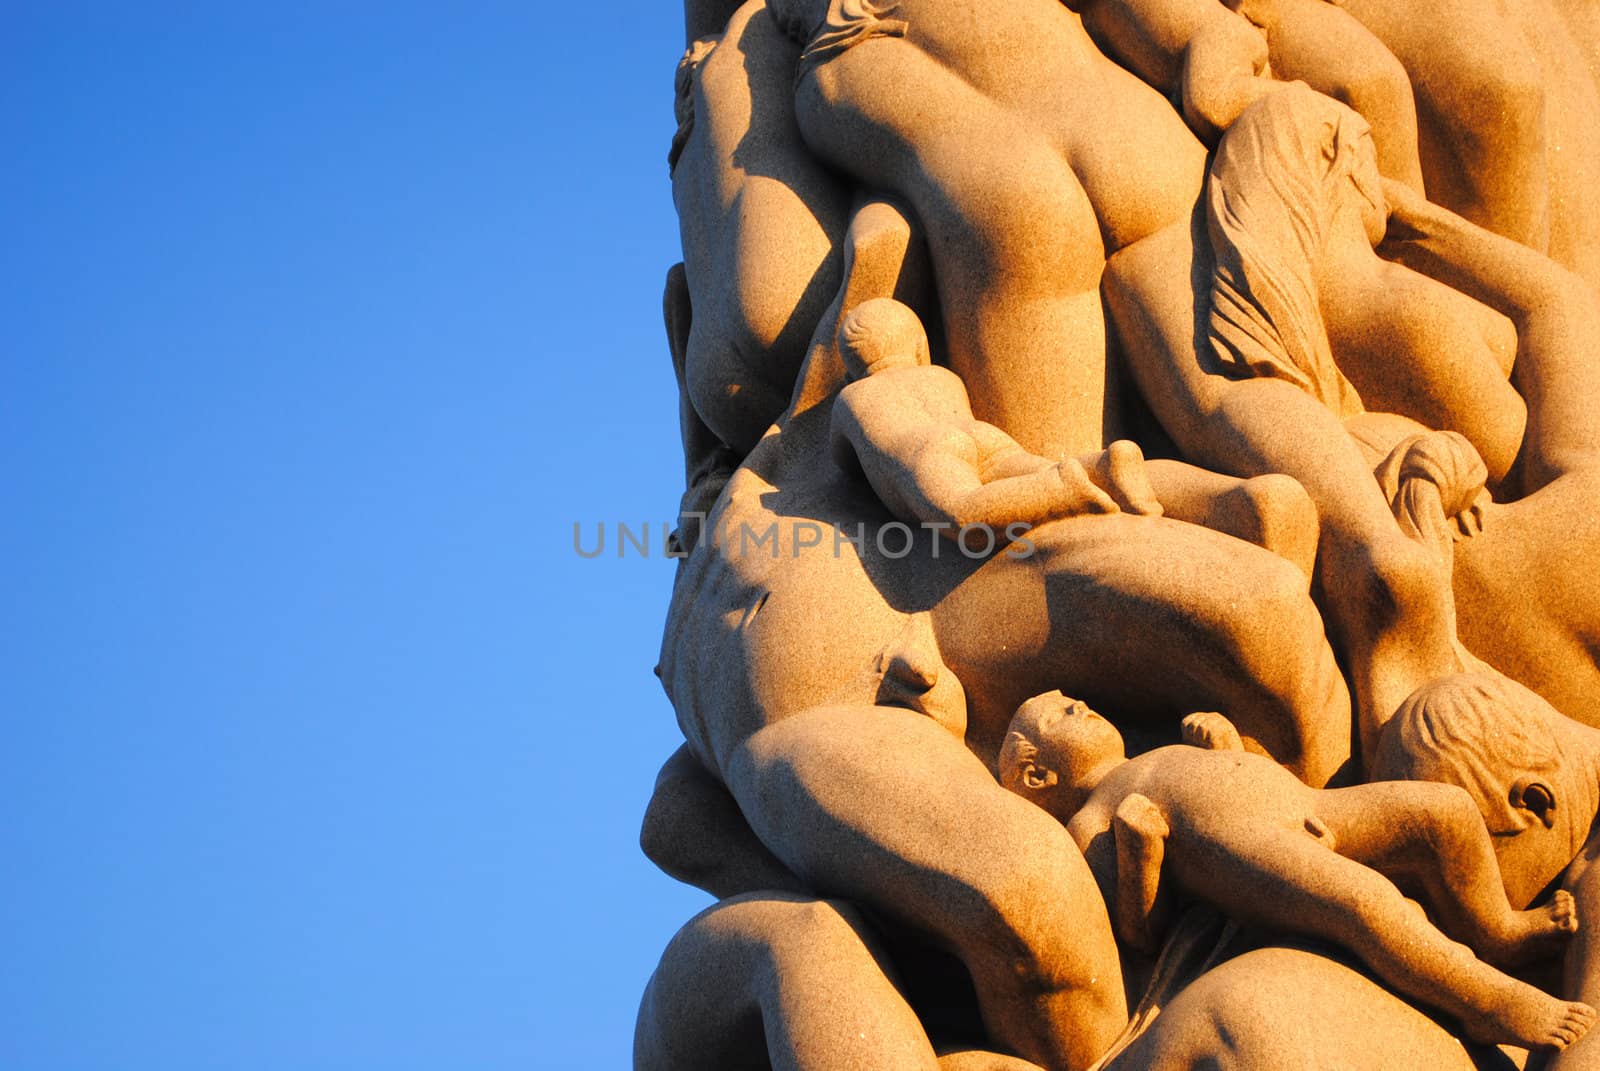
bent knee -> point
(1045, 925)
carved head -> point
(1304, 154)
(880, 334)
(1295, 170)
(1055, 752)
(1503, 744)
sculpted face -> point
(1055, 750)
(1072, 739)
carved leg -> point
(1271, 1009)
(1432, 835)
(885, 808)
(785, 979)
(1291, 882)
(1271, 511)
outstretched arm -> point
(884, 256)
(1555, 312)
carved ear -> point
(1037, 777)
(1536, 797)
(1330, 144)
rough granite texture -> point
(1211, 383)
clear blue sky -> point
(320, 325)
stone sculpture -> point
(1010, 368)
(908, 425)
(1242, 832)
(795, 981)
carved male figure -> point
(1299, 315)
(760, 220)
(1025, 173)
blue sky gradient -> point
(323, 324)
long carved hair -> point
(1280, 174)
(829, 27)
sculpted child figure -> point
(908, 424)
(1238, 830)
(1535, 778)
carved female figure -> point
(1304, 321)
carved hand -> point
(1211, 731)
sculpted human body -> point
(795, 673)
(786, 981)
(844, 688)
(908, 425)
(1540, 536)
(1262, 1011)
(1509, 123)
(1534, 776)
(1494, 107)
(760, 222)
(1239, 831)
(1295, 313)
(1274, 1008)
(1217, 57)
(1024, 172)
